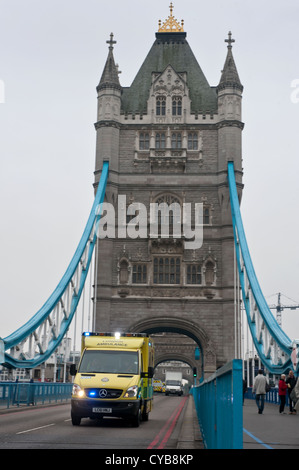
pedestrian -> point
(296, 390)
(244, 389)
(259, 388)
(291, 382)
(282, 392)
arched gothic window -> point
(160, 105)
(139, 275)
(192, 141)
(160, 140)
(170, 217)
(193, 274)
(176, 140)
(144, 141)
(177, 106)
(206, 216)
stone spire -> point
(230, 76)
(109, 77)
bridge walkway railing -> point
(218, 403)
(14, 394)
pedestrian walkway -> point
(270, 430)
(190, 435)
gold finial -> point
(171, 25)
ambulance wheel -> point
(137, 419)
(76, 420)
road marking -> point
(35, 429)
(257, 439)
(168, 427)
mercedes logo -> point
(102, 393)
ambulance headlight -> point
(77, 391)
(131, 392)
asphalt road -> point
(50, 427)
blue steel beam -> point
(78, 266)
(274, 347)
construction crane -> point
(279, 308)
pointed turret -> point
(229, 93)
(109, 78)
(230, 77)
(109, 103)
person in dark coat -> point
(291, 382)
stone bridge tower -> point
(168, 138)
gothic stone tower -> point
(168, 138)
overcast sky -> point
(52, 53)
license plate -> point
(102, 410)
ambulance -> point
(114, 377)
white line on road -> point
(35, 429)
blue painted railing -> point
(16, 394)
(271, 397)
(218, 402)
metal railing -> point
(218, 402)
(16, 394)
(271, 397)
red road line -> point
(168, 427)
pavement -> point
(270, 430)
(190, 436)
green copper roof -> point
(170, 49)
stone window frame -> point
(177, 105)
(176, 140)
(144, 140)
(197, 273)
(169, 199)
(167, 269)
(207, 215)
(160, 140)
(143, 271)
(160, 105)
(192, 141)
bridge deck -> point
(271, 430)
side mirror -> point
(73, 370)
(149, 374)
